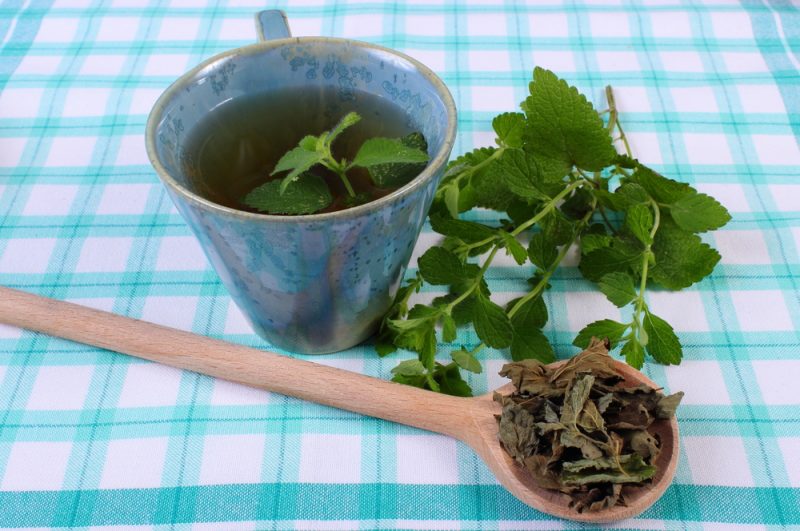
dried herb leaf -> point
(579, 429)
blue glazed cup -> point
(316, 283)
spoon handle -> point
(237, 363)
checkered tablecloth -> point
(709, 93)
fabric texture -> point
(709, 93)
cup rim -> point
(435, 163)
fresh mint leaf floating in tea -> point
(305, 195)
(579, 430)
(557, 182)
(390, 163)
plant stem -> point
(346, 182)
(640, 302)
(449, 308)
(469, 171)
(537, 289)
(549, 206)
(613, 120)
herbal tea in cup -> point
(259, 149)
(302, 152)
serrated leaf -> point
(491, 323)
(619, 256)
(409, 368)
(530, 343)
(522, 174)
(660, 188)
(681, 257)
(633, 353)
(297, 161)
(438, 266)
(463, 311)
(630, 193)
(448, 328)
(466, 361)
(466, 231)
(662, 343)
(532, 314)
(488, 188)
(542, 252)
(639, 220)
(377, 151)
(514, 248)
(618, 288)
(450, 381)
(698, 213)
(562, 124)
(591, 242)
(452, 195)
(306, 195)
(603, 329)
(395, 175)
(509, 127)
(309, 142)
(346, 121)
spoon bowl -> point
(515, 479)
(471, 420)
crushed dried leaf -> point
(579, 430)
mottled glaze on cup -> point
(317, 283)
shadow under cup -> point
(316, 283)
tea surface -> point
(236, 145)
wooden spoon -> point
(470, 420)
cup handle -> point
(272, 24)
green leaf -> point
(509, 127)
(699, 213)
(681, 257)
(395, 175)
(297, 161)
(639, 220)
(532, 314)
(563, 125)
(521, 174)
(662, 189)
(377, 151)
(514, 248)
(309, 142)
(530, 343)
(452, 195)
(603, 329)
(591, 242)
(662, 343)
(491, 323)
(463, 311)
(629, 194)
(448, 328)
(466, 231)
(488, 188)
(346, 121)
(618, 288)
(621, 255)
(409, 368)
(541, 251)
(466, 361)
(417, 380)
(634, 354)
(450, 381)
(306, 195)
(438, 266)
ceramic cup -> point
(314, 283)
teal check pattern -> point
(709, 92)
